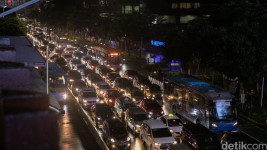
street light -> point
(4, 8)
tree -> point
(12, 26)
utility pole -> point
(262, 87)
(47, 89)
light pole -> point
(4, 8)
(47, 87)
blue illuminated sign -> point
(157, 43)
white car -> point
(174, 124)
(155, 135)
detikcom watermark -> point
(243, 146)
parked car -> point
(129, 74)
(155, 135)
(99, 113)
(174, 124)
(121, 84)
(111, 76)
(87, 97)
(235, 137)
(115, 134)
(199, 137)
(121, 105)
(134, 117)
(101, 88)
(152, 108)
(140, 81)
(135, 94)
(110, 96)
(69, 50)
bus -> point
(107, 56)
(200, 102)
(62, 40)
(57, 82)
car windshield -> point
(104, 113)
(113, 76)
(140, 117)
(161, 132)
(223, 111)
(115, 130)
(67, 56)
(153, 106)
(138, 93)
(76, 61)
(174, 122)
(128, 105)
(114, 94)
(104, 87)
(89, 94)
(94, 63)
(81, 67)
(206, 139)
(87, 58)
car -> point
(235, 137)
(80, 68)
(99, 113)
(92, 79)
(85, 59)
(87, 97)
(121, 84)
(115, 135)
(77, 55)
(104, 71)
(129, 74)
(153, 91)
(134, 117)
(179, 147)
(73, 75)
(199, 137)
(110, 77)
(110, 96)
(155, 135)
(67, 57)
(135, 94)
(74, 62)
(152, 108)
(76, 86)
(69, 50)
(82, 50)
(101, 88)
(174, 124)
(92, 64)
(99, 67)
(140, 81)
(121, 105)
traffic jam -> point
(123, 106)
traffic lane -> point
(73, 131)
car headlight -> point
(98, 118)
(138, 126)
(101, 92)
(235, 123)
(134, 99)
(65, 96)
(157, 144)
(97, 100)
(110, 100)
(128, 138)
(175, 142)
(214, 125)
(84, 101)
(171, 131)
(149, 116)
(162, 112)
(77, 89)
(154, 95)
(151, 113)
(112, 140)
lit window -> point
(174, 5)
(127, 9)
(136, 8)
(185, 5)
(196, 5)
